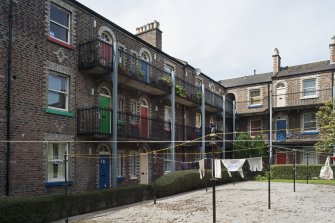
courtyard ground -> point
(239, 202)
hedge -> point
(52, 207)
(286, 171)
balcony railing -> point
(143, 71)
(96, 57)
(213, 99)
(188, 91)
(311, 97)
(187, 133)
(294, 136)
(98, 122)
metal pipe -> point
(270, 147)
(307, 168)
(9, 79)
(213, 171)
(294, 169)
(224, 127)
(65, 189)
(203, 123)
(173, 121)
(114, 122)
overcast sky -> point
(231, 38)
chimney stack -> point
(151, 34)
(276, 61)
(332, 50)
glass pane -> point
(309, 91)
(254, 93)
(309, 117)
(59, 15)
(255, 100)
(55, 171)
(309, 126)
(58, 83)
(55, 151)
(56, 100)
(309, 83)
(58, 32)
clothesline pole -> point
(270, 148)
(213, 171)
(307, 169)
(294, 169)
(154, 173)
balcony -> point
(296, 100)
(187, 94)
(187, 133)
(96, 57)
(97, 122)
(283, 136)
(214, 102)
(140, 74)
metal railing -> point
(187, 90)
(213, 99)
(96, 54)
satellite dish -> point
(197, 71)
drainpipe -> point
(173, 122)
(224, 126)
(9, 77)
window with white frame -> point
(59, 23)
(133, 165)
(56, 167)
(120, 165)
(198, 120)
(255, 96)
(309, 87)
(255, 127)
(167, 118)
(309, 122)
(133, 111)
(58, 91)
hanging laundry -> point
(326, 172)
(202, 168)
(217, 168)
(256, 164)
(234, 165)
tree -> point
(241, 147)
(326, 121)
(258, 145)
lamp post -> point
(203, 133)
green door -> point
(105, 114)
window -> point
(255, 96)
(133, 164)
(59, 23)
(120, 110)
(309, 87)
(58, 91)
(56, 166)
(255, 127)
(168, 69)
(120, 165)
(309, 122)
(198, 82)
(167, 118)
(133, 112)
(198, 120)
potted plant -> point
(122, 69)
(165, 81)
(180, 91)
(139, 73)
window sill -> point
(132, 177)
(310, 133)
(58, 112)
(255, 106)
(309, 97)
(58, 183)
(66, 45)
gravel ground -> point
(239, 202)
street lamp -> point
(198, 72)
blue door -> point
(144, 69)
(281, 130)
(104, 172)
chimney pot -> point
(332, 50)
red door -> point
(281, 158)
(144, 122)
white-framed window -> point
(309, 87)
(309, 121)
(167, 118)
(56, 167)
(58, 91)
(198, 120)
(133, 165)
(255, 96)
(59, 23)
(120, 165)
(255, 127)
(134, 119)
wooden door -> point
(281, 158)
(105, 114)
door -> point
(144, 168)
(105, 114)
(104, 172)
(144, 69)
(281, 130)
(144, 119)
(281, 158)
(281, 95)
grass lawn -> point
(328, 182)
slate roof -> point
(305, 68)
(247, 80)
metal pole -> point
(223, 126)
(213, 179)
(234, 120)
(270, 149)
(155, 156)
(294, 170)
(307, 168)
(65, 189)
(115, 114)
(173, 123)
(203, 132)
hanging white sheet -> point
(217, 163)
(256, 164)
(234, 165)
(202, 168)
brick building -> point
(62, 63)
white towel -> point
(256, 164)
(217, 168)
(202, 168)
(234, 165)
